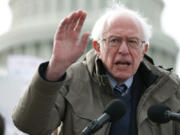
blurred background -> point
(27, 28)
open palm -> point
(68, 47)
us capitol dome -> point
(35, 21)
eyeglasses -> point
(114, 41)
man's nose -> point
(123, 48)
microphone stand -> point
(89, 129)
(173, 116)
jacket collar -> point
(97, 69)
(159, 84)
(148, 71)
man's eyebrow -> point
(121, 37)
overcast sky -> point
(170, 20)
(171, 23)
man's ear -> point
(146, 47)
(96, 46)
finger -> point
(80, 22)
(74, 20)
(67, 22)
(61, 28)
(84, 40)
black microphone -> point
(113, 111)
(161, 113)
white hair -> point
(117, 10)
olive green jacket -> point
(82, 94)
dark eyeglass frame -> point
(114, 41)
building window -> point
(11, 50)
(102, 4)
(74, 4)
(59, 5)
(88, 4)
(37, 48)
(47, 6)
(23, 48)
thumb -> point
(84, 40)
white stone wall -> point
(35, 21)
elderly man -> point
(72, 93)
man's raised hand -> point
(67, 45)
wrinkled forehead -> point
(123, 20)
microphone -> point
(113, 112)
(161, 113)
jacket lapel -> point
(159, 87)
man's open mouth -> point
(123, 63)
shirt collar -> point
(113, 82)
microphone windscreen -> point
(116, 109)
(156, 113)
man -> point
(72, 93)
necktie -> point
(120, 89)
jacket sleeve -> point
(41, 108)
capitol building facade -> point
(35, 21)
(31, 35)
